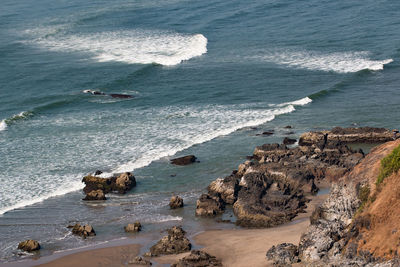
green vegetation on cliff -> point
(389, 164)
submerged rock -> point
(82, 230)
(176, 202)
(186, 160)
(283, 254)
(289, 141)
(198, 258)
(174, 243)
(133, 227)
(29, 245)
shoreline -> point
(218, 242)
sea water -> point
(206, 78)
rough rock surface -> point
(29, 245)
(272, 187)
(140, 261)
(347, 135)
(186, 160)
(208, 205)
(133, 227)
(176, 202)
(198, 258)
(82, 230)
(174, 243)
(96, 187)
(283, 254)
(288, 141)
(338, 227)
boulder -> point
(289, 141)
(82, 230)
(186, 160)
(208, 205)
(140, 261)
(176, 202)
(283, 254)
(29, 245)
(226, 187)
(133, 227)
(119, 184)
(95, 195)
(174, 243)
(198, 258)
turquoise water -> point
(201, 73)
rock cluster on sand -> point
(82, 230)
(133, 227)
(198, 258)
(29, 245)
(176, 202)
(186, 160)
(96, 187)
(140, 261)
(271, 188)
(173, 243)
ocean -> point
(206, 79)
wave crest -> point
(344, 62)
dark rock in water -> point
(289, 141)
(133, 227)
(176, 202)
(140, 261)
(98, 172)
(95, 195)
(186, 160)
(29, 245)
(174, 243)
(283, 254)
(120, 96)
(198, 258)
(121, 184)
(208, 205)
(289, 133)
(82, 230)
(266, 133)
(288, 127)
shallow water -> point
(201, 73)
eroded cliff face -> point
(358, 225)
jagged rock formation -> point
(283, 254)
(133, 227)
(174, 243)
(96, 187)
(357, 224)
(82, 230)
(29, 245)
(198, 258)
(176, 202)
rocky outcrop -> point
(342, 229)
(176, 202)
(209, 205)
(283, 255)
(133, 227)
(29, 245)
(288, 141)
(198, 258)
(186, 160)
(227, 188)
(140, 261)
(96, 187)
(346, 135)
(82, 230)
(174, 243)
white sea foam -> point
(159, 133)
(301, 102)
(130, 46)
(3, 125)
(341, 62)
(59, 192)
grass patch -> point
(389, 164)
(363, 195)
